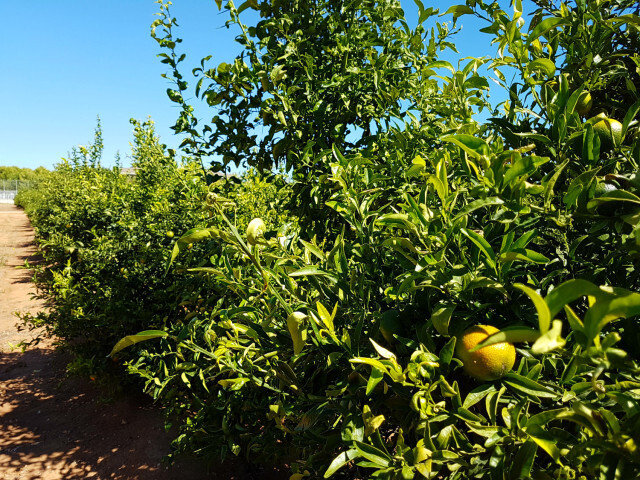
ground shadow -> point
(50, 422)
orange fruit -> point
(488, 363)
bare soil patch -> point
(53, 426)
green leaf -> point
(371, 362)
(397, 220)
(522, 166)
(543, 65)
(477, 204)
(509, 334)
(441, 318)
(476, 147)
(294, 324)
(340, 461)
(458, 11)
(574, 321)
(208, 270)
(619, 303)
(544, 313)
(548, 187)
(630, 115)
(253, 4)
(573, 100)
(138, 337)
(542, 418)
(578, 185)
(192, 236)
(614, 196)
(441, 64)
(446, 353)
(551, 340)
(482, 244)
(629, 18)
(528, 387)
(374, 379)
(484, 282)
(476, 82)
(372, 454)
(567, 292)
(523, 461)
(314, 249)
(383, 352)
(418, 166)
(477, 394)
(174, 95)
(524, 255)
(545, 27)
(548, 446)
(326, 317)
(233, 384)
(311, 271)
(441, 189)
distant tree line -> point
(28, 174)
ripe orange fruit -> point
(488, 363)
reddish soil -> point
(53, 426)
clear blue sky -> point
(66, 61)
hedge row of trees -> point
(317, 327)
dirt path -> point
(54, 427)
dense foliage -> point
(106, 239)
(25, 174)
(327, 344)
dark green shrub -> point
(429, 227)
(106, 238)
(328, 344)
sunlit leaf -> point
(544, 313)
(138, 337)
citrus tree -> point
(456, 252)
(457, 299)
(312, 75)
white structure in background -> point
(129, 171)
(9, 189)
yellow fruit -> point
(609, 131)
(488, 363)
(585, 102)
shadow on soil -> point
(52, 423)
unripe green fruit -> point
(609, 131)
(585, 102)
(612, 207)
(255, 231)
(602, 188)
